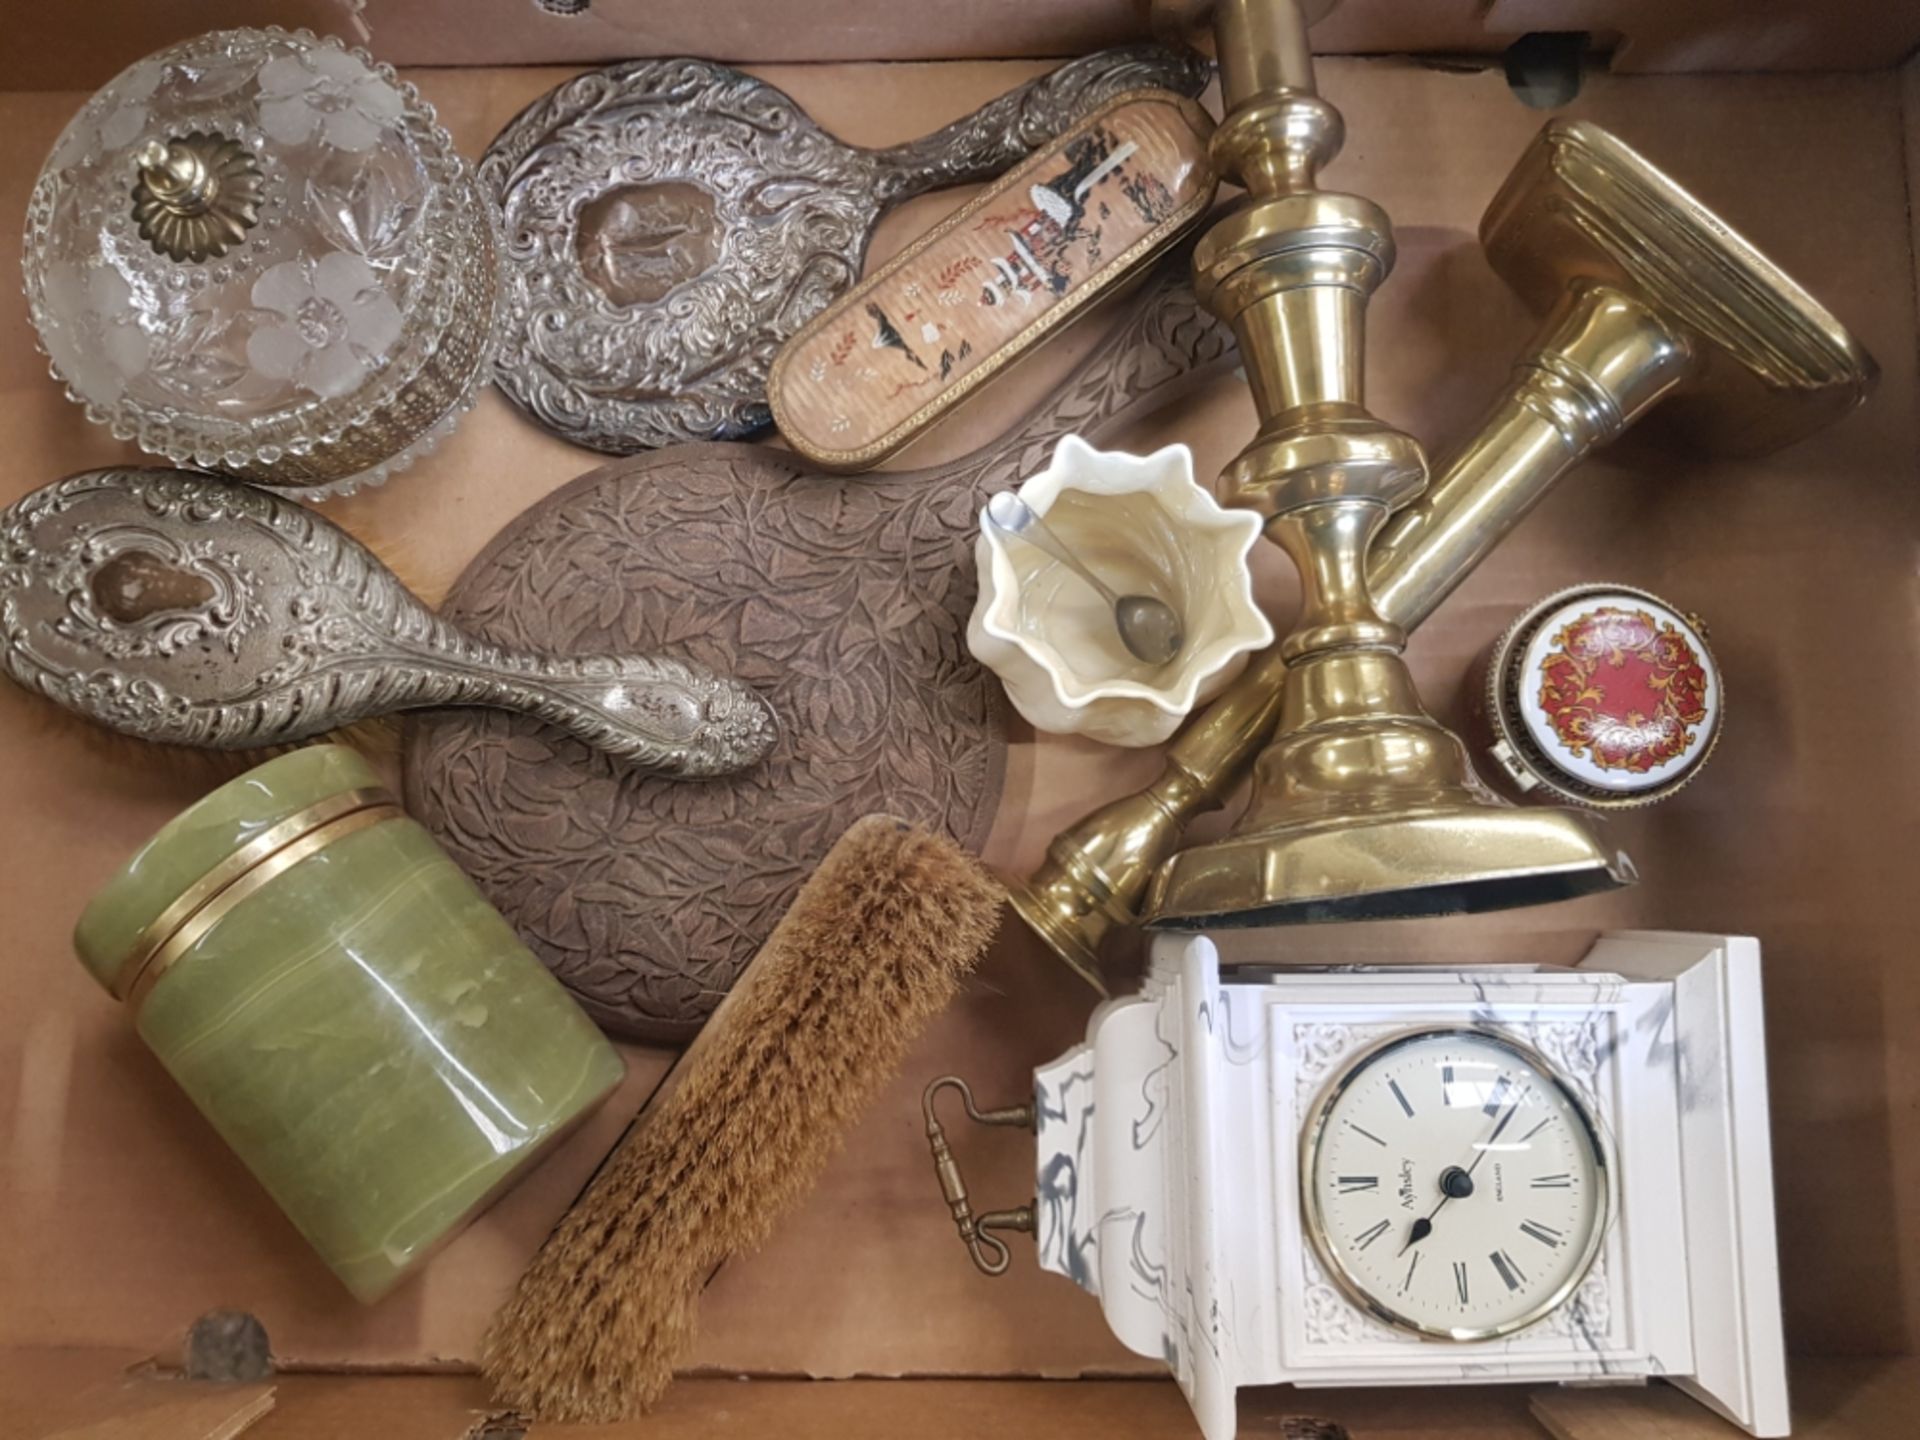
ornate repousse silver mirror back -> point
(669, 223)
(181, 608)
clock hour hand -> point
(1422, 1228)
(1425, 1224)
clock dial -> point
(1453, 1185)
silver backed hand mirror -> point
(669, 223)
(180, 608)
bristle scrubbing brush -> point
(877, 942)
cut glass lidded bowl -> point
(257, 252)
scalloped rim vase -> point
(1206, 549)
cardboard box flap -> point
(66, 47)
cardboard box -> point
(124, 1217)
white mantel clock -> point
(1420, 1176)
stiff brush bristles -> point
(877, 942)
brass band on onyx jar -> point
(349, 1013)
(1601, 695)
(1648, 300)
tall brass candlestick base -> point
(1364, 806)
(1590, 233)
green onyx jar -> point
(353, 1017)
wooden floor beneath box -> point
(61, 1395)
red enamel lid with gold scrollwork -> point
(1604, 696)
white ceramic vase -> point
(1145, 526)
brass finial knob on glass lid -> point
(198, 195)
(1591, 235)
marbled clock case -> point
(1168, 1186)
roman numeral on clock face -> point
(1354, 1184)
(1552, 1182)
(1401, 1096)
(1372, 1233)
(1460, 1279)
(1498, 1098)
(1509, 1271)
(1545, 1234)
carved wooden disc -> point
(844, 602)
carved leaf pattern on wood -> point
(843, 600)
(833, 601)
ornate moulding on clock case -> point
(1199, 1170)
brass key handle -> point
(989, 1252)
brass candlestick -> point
(1590, 233)
(1364, 806)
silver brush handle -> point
(1005, 131)
(662, 714)
(195, 611)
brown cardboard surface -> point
(125, 1218)
(86, 1394)
(1836, 1400)
(453, 1407)
(50, 1391)
(1910, 110)
(68, 46)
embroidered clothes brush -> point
(876, 943)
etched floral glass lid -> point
(257, 252)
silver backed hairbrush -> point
(185, 609)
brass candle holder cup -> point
(1648, 297)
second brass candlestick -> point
(1649, 298)
(1364, 806)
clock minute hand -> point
(1423, 1226)
(1488, 1143)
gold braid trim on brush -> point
(878, 941)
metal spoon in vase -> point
(1149, 627)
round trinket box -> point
(1603, 696)
(257, 252)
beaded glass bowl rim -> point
(153, 429)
